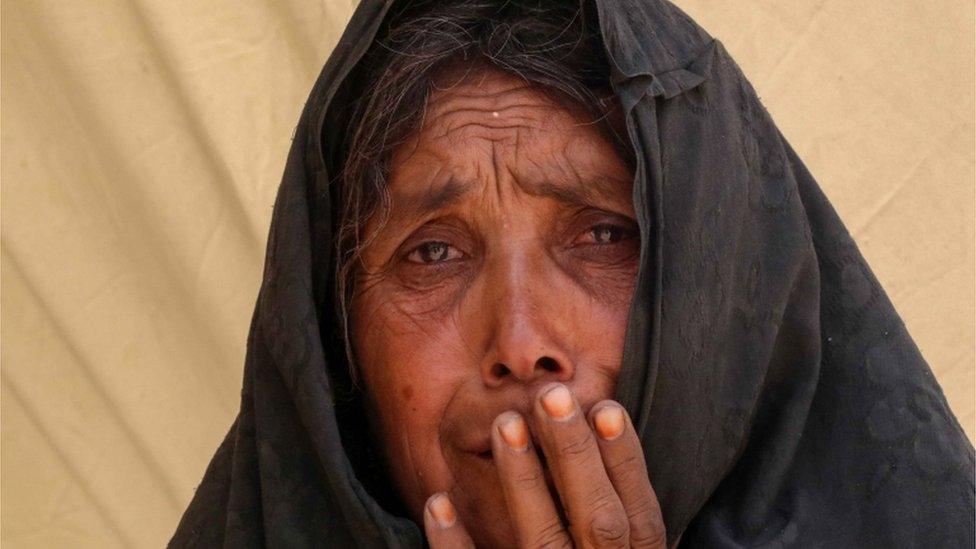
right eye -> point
(433, 252)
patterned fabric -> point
(778, 396)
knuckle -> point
(626, 467)
(647, 525)
(551, 535)
(650, 537)
(646, 510)
(608, 530)
(576, 446)
(526, 480)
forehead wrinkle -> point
(558, 178)
(494, 131)
(553, 172)
(506, 109)
(510, 120)
(584, 188)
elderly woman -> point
(545, 273)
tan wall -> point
(143, 143)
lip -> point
(476, 441)
(483, 454)
(483, 451)
(486, 458)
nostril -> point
(544, 366)
(548, 364)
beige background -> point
(143, 143)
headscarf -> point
(777, 395)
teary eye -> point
(433, 252)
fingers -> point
(599, 471)
(595, 512)
(531, 508)
(442, 526)
(623, 458)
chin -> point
(487, 521)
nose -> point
(526, 326)
(523, 352)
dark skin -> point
(489, 325)
(599, 476)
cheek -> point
(599, 332)
(407, 304)
(409, 366)
(608, 289)
(599, 297)
(595, 313)
(402, 342)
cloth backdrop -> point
(142, 147)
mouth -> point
(485, 454)
(487, 459)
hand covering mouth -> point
(484, 453)
(483, 449)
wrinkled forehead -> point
(493, 91)
(484, 102)
(492, 111)
(489, 127)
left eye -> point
(606, 234)
(433, 252)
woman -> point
(542, 272)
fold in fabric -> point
(778, 397)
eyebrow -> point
(431, 200)
(441, 197)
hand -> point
(598, 470)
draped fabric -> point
(142, 145)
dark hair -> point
(552, 44)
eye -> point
(433, 252)
(605, 233)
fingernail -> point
(514, 432)
(442, 510)
(609, 422)
(558, 403)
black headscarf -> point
(779, 399)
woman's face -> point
(508, 261)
